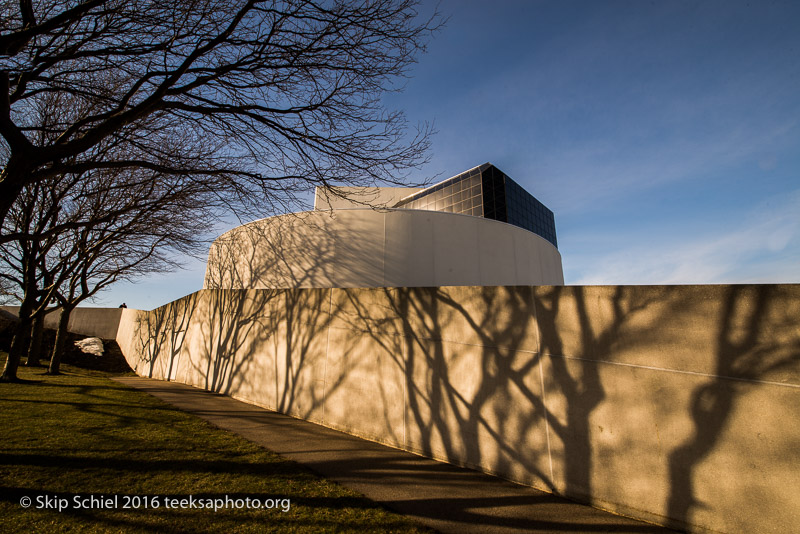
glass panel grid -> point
(488, 192)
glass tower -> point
(486, 191)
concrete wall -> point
(94, 322)
(389, 248)
(674, 404)
(334, 198)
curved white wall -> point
(386, 248)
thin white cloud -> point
(605, 169)
(764, 247)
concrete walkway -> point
(440, 495)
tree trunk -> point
(18, 343)
(61, 340)
(12, 180)
(35, 350)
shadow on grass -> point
(22, 380)
(282, 512)
(136, 465)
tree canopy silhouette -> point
(74, 237)
(269, 97)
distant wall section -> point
(95, 322)
(674, 404)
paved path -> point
(440, 495)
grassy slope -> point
(81, 434)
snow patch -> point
(91, 345)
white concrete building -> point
(476, 229)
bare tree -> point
(273, 96)
(21, 270)
(137, 242)
(77, 236)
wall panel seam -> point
(667, 369)
(541, 381)
(327, 351)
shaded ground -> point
(439, 495)
(112, 360)
(79, 434)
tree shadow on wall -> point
(494, 335)
(478, 408)
(575, 370)
(292, 250)
(251, 337)
(472, 362)
(370, 314)
(161, 332)
(304, 324)
(745, 352)
(496, 338)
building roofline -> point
(422, 192)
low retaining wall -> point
(95, 322)
(674, 404)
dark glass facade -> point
(486, 191)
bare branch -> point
(270, 90)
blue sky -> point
(664, 135)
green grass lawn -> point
(81, 434)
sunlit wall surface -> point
(364, 247)
(666, 403)
(486, 191)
